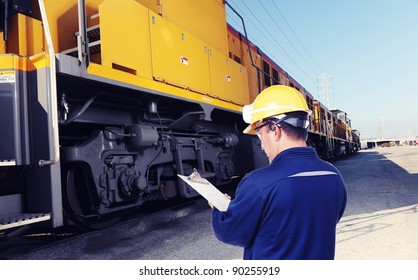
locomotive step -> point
(17, 220)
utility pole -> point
(324, 88)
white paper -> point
(210, 192)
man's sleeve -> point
(238, 225)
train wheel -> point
(79, 203)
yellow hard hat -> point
(273, 101)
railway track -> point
(20, 242)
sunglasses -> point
(257, 129)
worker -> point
(290, 208)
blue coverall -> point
(287, 210)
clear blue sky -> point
(367, 48)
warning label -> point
(184, 60)
(7, 77)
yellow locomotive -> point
(103, 102)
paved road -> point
(380, 222)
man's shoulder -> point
(268, 174)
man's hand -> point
(225, 194)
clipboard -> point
(207, 190)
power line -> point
(279, 45)
(297, 37)
(256, 26)
(287, 38)
(253, 24)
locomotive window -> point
(275, 77)
(266, 74)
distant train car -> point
(104, 102)
(356, 144)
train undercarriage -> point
(121, 148)
(329, 148)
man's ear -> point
(278, 132)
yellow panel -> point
(25, 36)
(205, 19)
(34, 36)
(229, 79)
(2, 44)
(153, 5)
(251, 70)
(178, 57)
(234, 45)
(124, 35)
(112, 74)
(11, 61)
